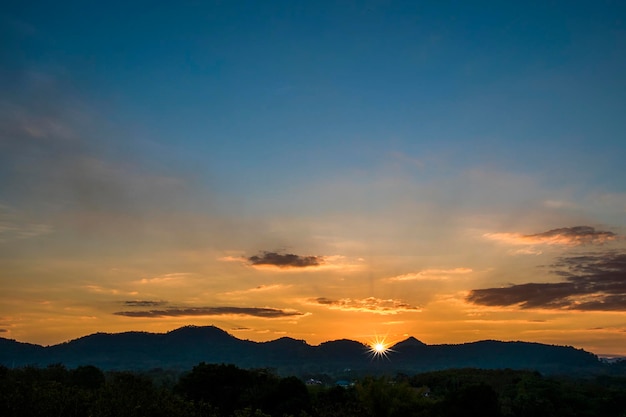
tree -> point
(87, 377)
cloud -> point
(565, 236)
(4, 330)
(288, 260)
(263, 312)
(15, 226)
(55, 158)
(10, 230)
(258, 289)
(431, 274)
(368, 305)
(277, 262)
(165, 278)
(103, 290)
(144, 303)
(559, 204)
(531, 250)
(594, 282)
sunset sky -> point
(449, 170)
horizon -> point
(369, 343)
(315, 170)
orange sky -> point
(315, 297)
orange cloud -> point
(431, 274)
(165, 278)
(103, 290)
(258, 289)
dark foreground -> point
(225, 390)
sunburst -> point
(378, 348)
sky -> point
(449, 170)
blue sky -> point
(161, 140)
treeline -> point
(210, 390)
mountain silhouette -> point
(187, 346)
(408, 343)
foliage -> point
(229, 388)
(211, 390)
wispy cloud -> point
(431, 274)
(54, 156)
(368, 305)
(259, 289)
(559, 204)
(165, 278)
(594, 282)
(144, 303)
(13, 225)
(263, 312)
(13, 230)
(103, 290)
(564, 236)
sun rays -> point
(379, 348)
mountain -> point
(187, 346)
(13, 353)
(408, 343)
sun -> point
(379, 348)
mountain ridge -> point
(187, 346)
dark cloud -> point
(593, 282)
(576, 235)
(211, 311)
(564, 236)
(4, 330)
(288, 260)
(324, 300)
(144, 303)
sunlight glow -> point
(379, 348)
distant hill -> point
(187, 346)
